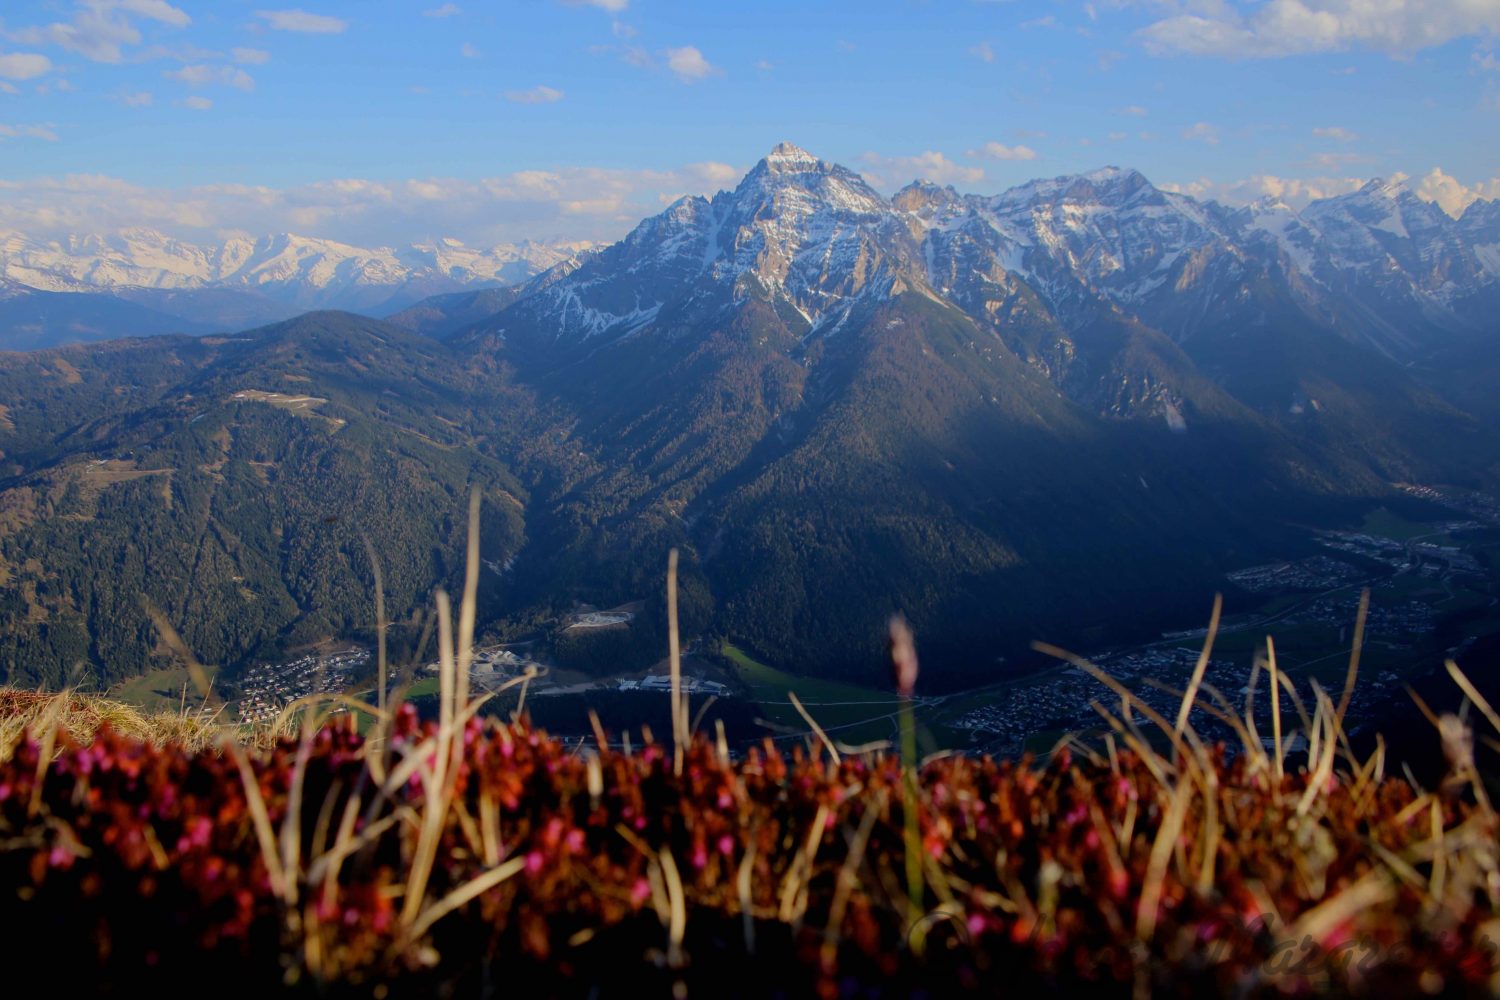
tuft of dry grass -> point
(77, 718)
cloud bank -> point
(1299, 27)
(574, 203)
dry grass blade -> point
(1161, 856)
(468, 608)
(445, 664)
(307, 703)
(458, 897)
(1125, 694)
(847, 880)
(380, 624)
(1190, 696)
(261, 820)
(1280, 749)
(1135, 742)
(794, 886)
(1319, 922)
(742, 882)
(674, 660)
(1355, 649)
(48, 725)
(1472, 693)
(1322, 752)
(1219, 709)
(807, 717)
(291, 826)
(677, 906)
(324, 870)
(434, 779)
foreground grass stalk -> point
(674, 660)
(903, 653)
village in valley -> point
(267, 689)
(1417, 573)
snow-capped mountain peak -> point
(792, 180)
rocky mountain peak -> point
(792, 181)
(926, 199)
(788, 158)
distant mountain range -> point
(1066, 409)
(143, 282)
(1379, 267)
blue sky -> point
(387, 121)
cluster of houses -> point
(266, 689)
(663, 682)
(1063, 702)
(1385, 619)
(1315, 573)
(1472, 503)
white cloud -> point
(100, 29)
(8, 88)
(580, 203)
(1453, 196)
(1134, 111)
(203, 75)
(689, 64)
(301, 21)
(23, 65)
(893, 171)
(714, 174)
(613, 6)
(196, 103)
(1336, 133)
(251, 57)
(984, 51)
(1294, 191)
(764, 65)
(999, 151)
(1202, 132)
(468, 50)
(156, 10)
(139, 99)
(536, 95)
(1294, 27)
(28, 132)
(446, 10)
